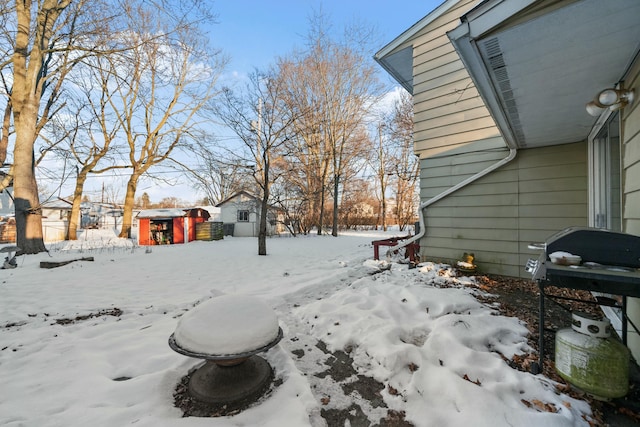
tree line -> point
(91, 87)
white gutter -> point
(447, 192)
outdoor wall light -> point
(614, 99)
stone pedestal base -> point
(245, 381)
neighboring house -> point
(242, 210)
(101, 215)
(55, 219)
(508, 153)
(6, 202)
(7, 216)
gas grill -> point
(589, 259)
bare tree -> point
(217, 173)
(357, 205)
(406, 163)
(257, 118)
(43, 41)
(143, 201)
(383, 168)
(111, 194)
(338, 81)
(94, 127)
(308, 154)
(171, 77)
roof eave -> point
(469, 55)
(405, 38)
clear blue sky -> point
(255, 32)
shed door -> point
(178, 230)
(143, 232)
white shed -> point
(241, 212)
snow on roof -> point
(56, 204)
(211, 209)
(162, 213)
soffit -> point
(538, 68)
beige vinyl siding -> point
(449, 111)
(496, 217)
(631, 186)
(540, 192)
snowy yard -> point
(85, 344)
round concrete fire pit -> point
(228, 332)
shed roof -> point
(236, 195)
(162, 213)
(58, 203)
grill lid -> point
(610, 261)
(597, 246)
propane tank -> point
(588, 357)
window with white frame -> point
(606, 189)
(243, 216)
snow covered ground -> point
(85, 344)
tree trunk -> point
(72, 232)
(25, 188)
(384, 210)
(264, 208)
(336, 186)
(321, 213)
(262, 232)
(129, 200)
(29, 75)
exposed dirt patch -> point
(342, 371)
(116, 312)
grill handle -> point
(537, 246)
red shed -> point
(169, 226)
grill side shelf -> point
(606, 281)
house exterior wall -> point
(55, 223)
(241, 202)
(54, 231)
(631, 187)
(449, 112)
(540, 192)
(229, 214)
